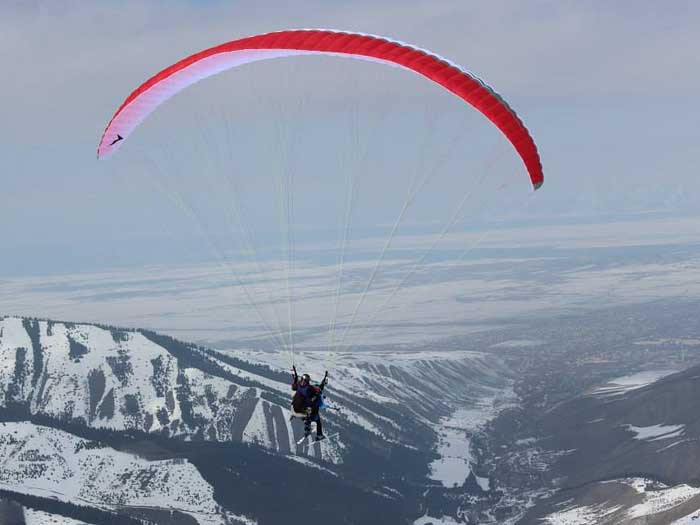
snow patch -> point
(453, 466)
(656, 432)
(631, 382)
(583, 515)
(656, 501)
(312, 464)
(37, 517)
(256, 429)
(484, 483)
(670, 341)
(518, 343)
(429, 520)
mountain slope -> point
(226, 415)
(624, 455)
(46, 462)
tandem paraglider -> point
(164, 85)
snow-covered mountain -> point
(130, 421)
(104, 425)
(138, 380)
(627, 500)
(623, 452)
(51, 463)
(128, 381)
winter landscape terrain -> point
(583, 415)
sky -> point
(607, 90)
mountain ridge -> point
(148, 395)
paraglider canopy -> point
(173, 79)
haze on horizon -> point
(606, 91)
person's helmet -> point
(306, 378)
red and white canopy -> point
(165, 84)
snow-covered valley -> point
(101, 422)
